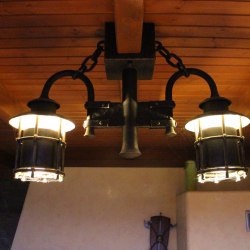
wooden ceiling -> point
(39, 38)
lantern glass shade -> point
(234, 121)
(219, 146)
(40, 147)
(51, 122)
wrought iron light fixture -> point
(218, 131)
(159, 226)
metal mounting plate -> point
(142, 62)
(154, 114)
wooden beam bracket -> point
(143, 62)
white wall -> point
(213, 220)
(98, 209)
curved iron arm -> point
(191, 71)
(75, 75)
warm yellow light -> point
(218, 176)
(43, 122)
(230, 120)
(39, 176)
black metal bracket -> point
(154, 114)
(191, 71)
(45, 105)
(143, 62)
(214, 103)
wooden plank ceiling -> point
(39, 38)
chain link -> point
(86, 66)
(172, 59)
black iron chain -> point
(172, 59)
(90, 61)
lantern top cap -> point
(215, 104)
(44, 106)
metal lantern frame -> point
(233, 161)
(40, 153)
(215, 105)
(30, 165)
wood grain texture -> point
(128, 16)
(38, 38)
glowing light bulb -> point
(237, 178)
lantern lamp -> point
(41, 135)
(219, 142)
(40, 142)
(218, 134)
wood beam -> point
(128, 15)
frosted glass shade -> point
(51, 122)
(231, 120)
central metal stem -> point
(130, 148)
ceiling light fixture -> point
(218, 131)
